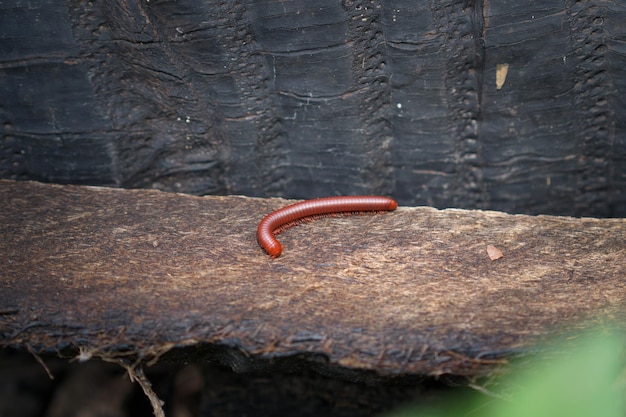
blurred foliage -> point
(578, 376)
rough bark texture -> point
(307, 98)
(108, 272)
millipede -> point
(272, 223)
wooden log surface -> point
(412, 292)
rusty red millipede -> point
(312, 208)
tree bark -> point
(99, 272)
(510, 106)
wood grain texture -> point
(303, 99)
(111, 272)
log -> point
(98, 272)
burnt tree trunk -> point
(509, 106)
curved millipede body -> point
(312, 208)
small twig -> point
(136, 374)
(489, 393)
(41, 362)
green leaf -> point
(587, 380)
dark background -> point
(303, 98)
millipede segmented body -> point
(312, 208)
